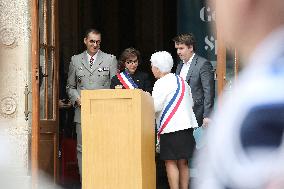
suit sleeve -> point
(71, 87)
(207, 80)
(113, 67)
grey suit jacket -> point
(81, 77)
(200, 78)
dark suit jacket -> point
(140, 78)
(200, 78)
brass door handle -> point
(27, 92)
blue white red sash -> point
(172, 106)
(126, 80)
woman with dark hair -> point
(129, 77)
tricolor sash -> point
(126, 80)
(172, 106)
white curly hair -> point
(162, 60)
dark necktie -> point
(91, 62)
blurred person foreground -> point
(245, 148)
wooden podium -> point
(118, 136)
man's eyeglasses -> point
(133, 62)
(95, 41)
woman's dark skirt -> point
(177, 145)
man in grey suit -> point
(92, 69)
(199, 74)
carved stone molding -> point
(14, 22)
(7, 37)
(8, 106)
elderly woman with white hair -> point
(175, 119)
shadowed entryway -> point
(148, 26)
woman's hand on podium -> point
(148, 93)
(118, 87)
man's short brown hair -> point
(187, 39)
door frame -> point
(35, 92)
(221, 64)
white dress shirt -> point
(185, 67)
(94, 57)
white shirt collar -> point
(94, 57)
(190, 60)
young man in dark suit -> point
(199, 74)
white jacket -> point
(163, 91)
